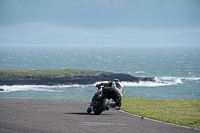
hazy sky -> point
(97, 18)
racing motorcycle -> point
(101, 102)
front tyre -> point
(102, 107)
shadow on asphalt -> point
(81, 113)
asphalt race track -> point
(69, 116)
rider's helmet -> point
(118, 83)
(116, 80)
(115, 83)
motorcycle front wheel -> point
(103, 105)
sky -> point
(102, 22)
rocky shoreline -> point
(80, 78)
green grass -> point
(23, 73)
(177, 111)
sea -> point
(176, 69)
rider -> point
(114, 90)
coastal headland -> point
(62, 77)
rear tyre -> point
(102, 107)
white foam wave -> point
(139, 72)
(178, 81)
(100, 82)
(178, 78)
(163, 81)
(35, 88)
(192, 78)
(159, 81)
(141, 83)
(145, 84)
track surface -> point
(69, 116)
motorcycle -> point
(101, 102)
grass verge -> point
(177, 111)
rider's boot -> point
(113, 105)
(117, 107)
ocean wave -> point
(145, 84)
(139, 72)
(177, 78)
(142, 83)
(192, 78)
(13, 88)
(159, 81)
